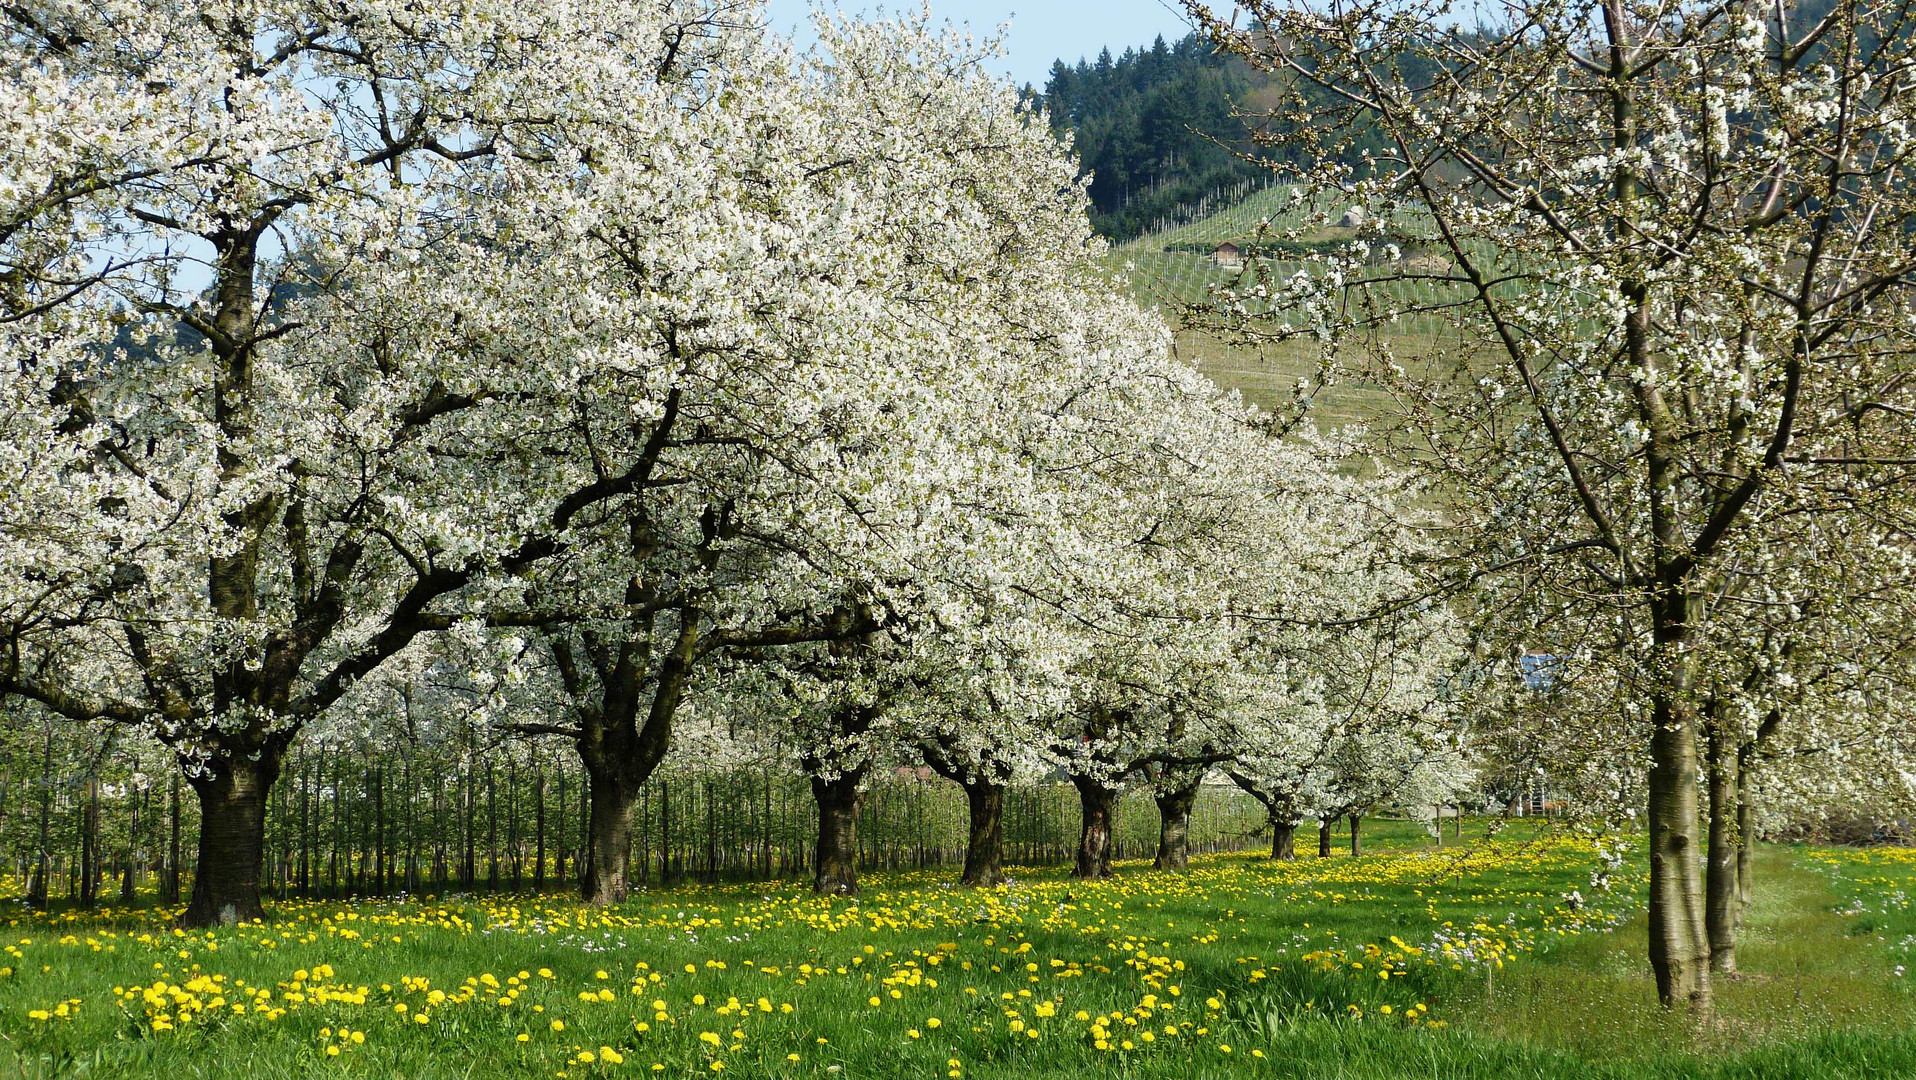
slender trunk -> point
(1720, 869)
(1679, 945)
(469, 859)
(1745, 835)
(381, 869)
(665, 831)
(1098, 806)
(439, 832)
(985, 839)
(332, 840)
(1283, 839)
(585, 825)
(558, 869)
(170, 888)
(1324, 838)
(711, 833)
(90, 844)
(538, 824)
(1357, 846)
(411, 872)
(492, 828)
(232, 839)
(305, 830)
(132, 851)
(839, 801)
(37, 885)
(515, 851)
(602, 866)
(1174, 827)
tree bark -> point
(1357, 845)
(37, 884)
(89, 844)
(1174, 826)
(603, 871)
(1099, 805)
(1720, 869)
(132, 851)
(539, 823)
(1745, 837)
(839, 801)
(1283, 840)
(1678, 944)
(1324, 838)
(381, 868)
(170, 885)
(232, 839)
(558, 869)
(985, 837)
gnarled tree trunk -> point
(603, 874)
(1357, 845)
(1324, 839)
(1099, 805)
(839, 800)
(1283, 840)
(985, 838)
(232, 839)
(1174, 826)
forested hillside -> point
(1137, 121)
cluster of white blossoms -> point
(608, 361)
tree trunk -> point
(1745, 837)
(1720, 869)
(839, 801)
(539, 823)
(602, 867)
(1099, 806)
(232, 839)
(1357, 846)
(1678, 942)
(1174, 827)
(492, 828)
(305, 829)
(558, 869)
(37, 885)
(170, 885)
(985, 838)
(1324, 838)
(1283, 840)
(132, 851)
(90, 844)
(381, 868)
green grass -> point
(1160, 271)
(1279, 962)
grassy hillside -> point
(1169, 269)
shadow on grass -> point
(1811, 997)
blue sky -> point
(1041, 30)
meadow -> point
(1494, 956)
